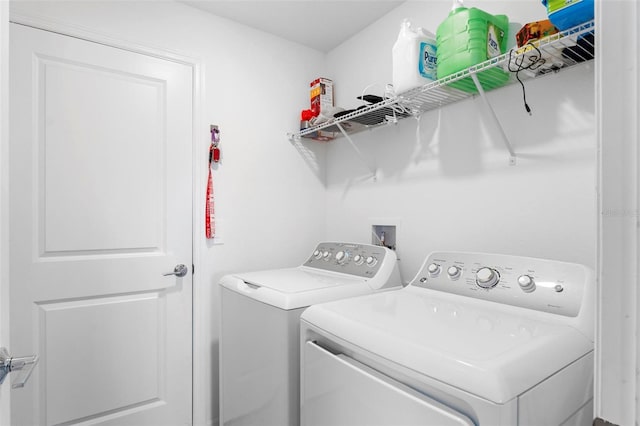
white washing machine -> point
(260, 328)
(474, 339)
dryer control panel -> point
(362, 260)
(540, 284)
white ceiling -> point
(319, 24)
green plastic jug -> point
(468, 37)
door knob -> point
(179, 271)
(25, 364)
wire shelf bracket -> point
(492, 113)
(373, 170)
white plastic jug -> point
(414, 58)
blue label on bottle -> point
(427, 64)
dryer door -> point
(339, 391)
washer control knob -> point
(358, 259)
(326, 255)
(454, 272)
(434, 269)
(526, 283)
(317, 254)
(487, 277)
(342, 257)
(371, 261)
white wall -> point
(253, 86)
(453, 188)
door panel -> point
(67, 104)
(85, 372)
(101, 207)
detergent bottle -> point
(414, 58)
(565, 14)
(469, 36)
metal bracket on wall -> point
(483, 96)
(295, 138)
(373, 170)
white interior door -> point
(100, 208)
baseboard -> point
(601, 422)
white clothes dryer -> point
(474, 339)
(260, 328)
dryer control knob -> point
(434, 269)
(371, 261)
(317, 254)
(454, 272)
(526, 283)
(487, 277)
(358, 259)
(326, 255)
(342, 257)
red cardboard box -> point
(321, 95)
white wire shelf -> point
(548, 55)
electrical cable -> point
(535, 63)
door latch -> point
(179, 271)
(24, 364)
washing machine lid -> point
(493, 351)
(293, 288)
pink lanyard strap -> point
(214, 156)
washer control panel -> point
(540, 284)
(362, 260)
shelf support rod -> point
(483, 96)
(358, 152)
